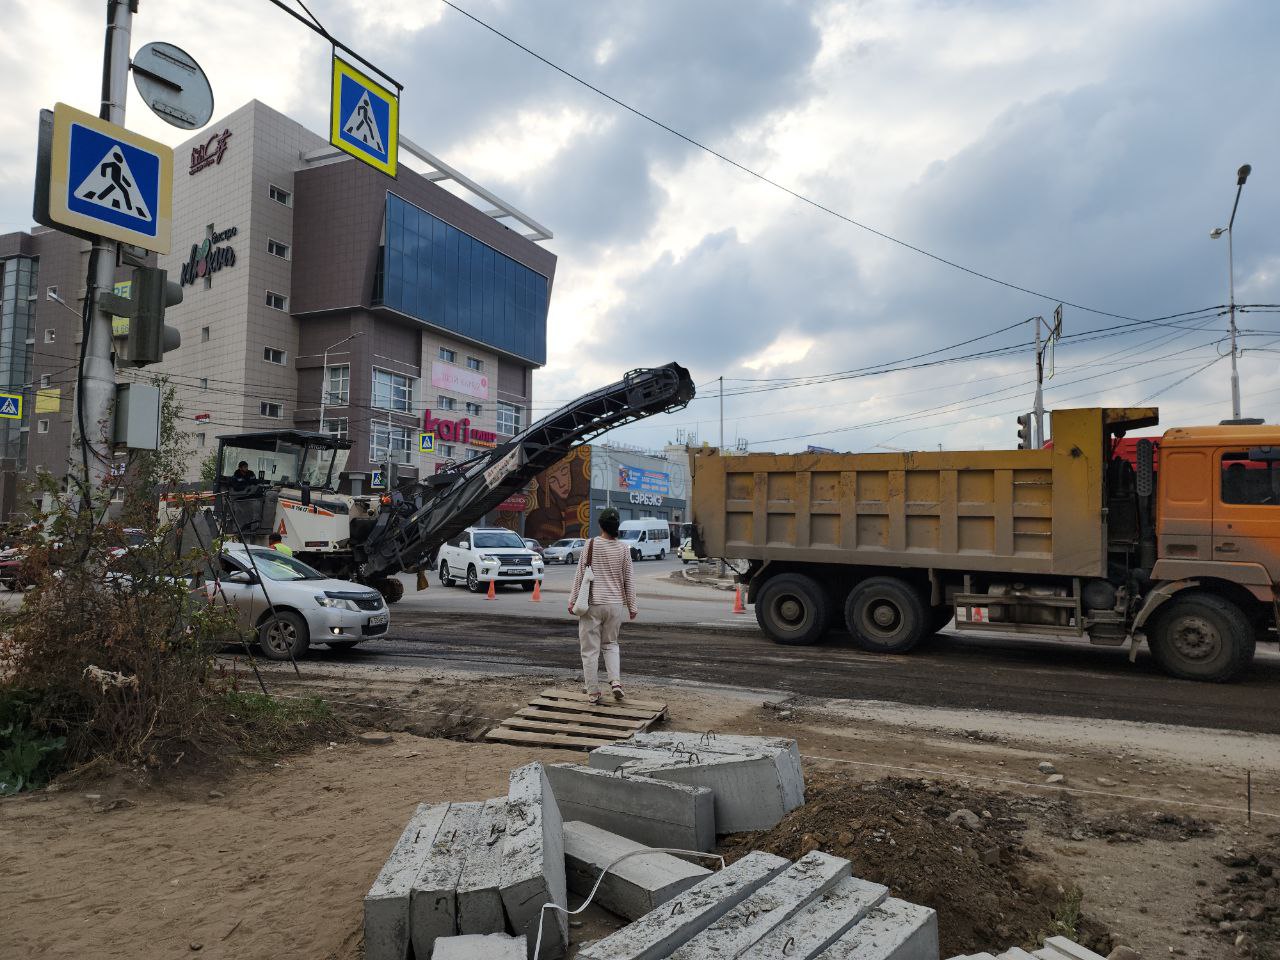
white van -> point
(647, 539)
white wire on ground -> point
(537, 945)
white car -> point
(565, 551)
(648, 539)
(480, 555)
(309, 606)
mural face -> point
(561, 505)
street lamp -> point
(324, 376)
(1241, 176)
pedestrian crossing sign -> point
(10, 406)
(106, 180)
(427, 442)
(375, 480)
(364, 118)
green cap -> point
(608, 513)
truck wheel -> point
(473, 579)
(391, 589)
(1201, 636)
(886, 615)
(283, 636)
(445, 579)
(635, 555)
(792, 608)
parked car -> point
(565, 551)
(480, 555)
(11, 561)
(647, 538)
(536, 547)
(309, 606)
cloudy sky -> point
(1080, 149)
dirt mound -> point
(952, 848)
(1245, 911)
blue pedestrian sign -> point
(375, 480)
(427, 442)
(109, 181)
(10, 406)
(364, 118)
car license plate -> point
(518, 572)
(378, 619)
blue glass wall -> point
(435, 272)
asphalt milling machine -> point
(290, 485)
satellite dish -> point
(173, 85)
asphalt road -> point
(1023, 675)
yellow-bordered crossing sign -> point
(364, 118)
(10, 406)
(427, 442)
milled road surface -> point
(956, 671)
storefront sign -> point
(209, 153)
(458, 431)
(469, 383)
(516, 503)
(645, 481)
(646, 499)
(207, 258)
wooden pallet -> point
(562, 718)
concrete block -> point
(1016, 953)
(433, 902)
(784, 752)
(747, 788)
(635, 886)
(1060, 948)
(533, 861)
(386, 905)
(895, 930)
(480, 887)
(474, 946)
(653, 812)
(811, 930)
(760, 914)
(656, 934)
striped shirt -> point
(611, 566)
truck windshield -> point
(321, 466)
(504, 539)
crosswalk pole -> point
(96, 384)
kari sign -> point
(457, 431)
(469, 383)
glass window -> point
(275, 565)
(446, 450)
(204, 334)
(281, 196)
(49, 335)
(200, 439)
(399, 441)
(44, 379)
(277, 301)
(335, 427)
(392, 391)
(339, 387)
(204, 383)
(273, 355)
(273, 410)
(278, 249)
(1250, 479)
(42, 427)
(510, 419)
(497, 538)
(474, 409)
(435, 272)
(446, 403)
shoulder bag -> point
(583, 603)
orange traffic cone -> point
(537, 592)
(737, 601)
(493, 592)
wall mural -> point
(561, 502)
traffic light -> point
(1024, 432)
(149, 338)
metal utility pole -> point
(722, 413)
(324, 375)
(1037, 436)
(96, 386)
(1241, 176)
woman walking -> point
(611, 593)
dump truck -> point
(1076, 539)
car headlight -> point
(537, 561)
(339, 603)
(486, 558)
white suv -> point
(480, 555)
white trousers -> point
(597, 633)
